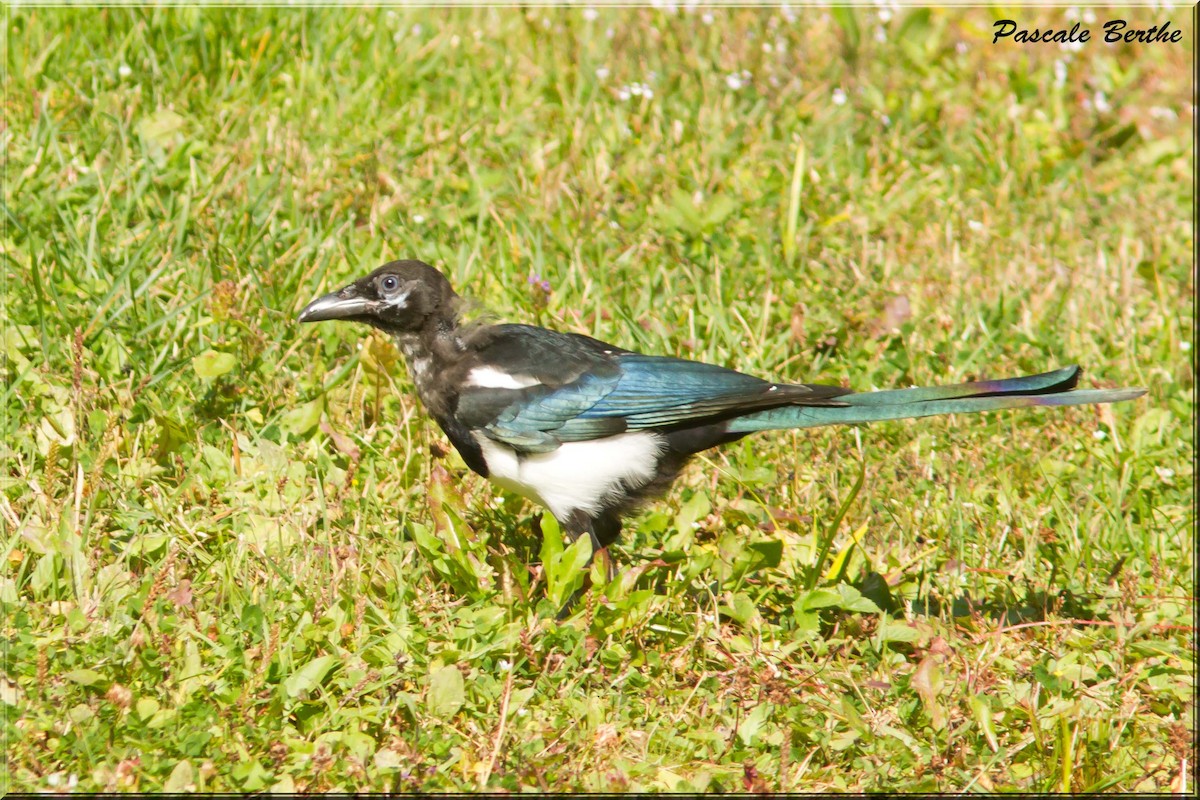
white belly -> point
(578, 476)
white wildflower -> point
(1099, 435)
(602, 72)
(590, 14)
(124, 71)
(839, 97)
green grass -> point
(237, 556)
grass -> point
(238, 557)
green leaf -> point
(891, 631)
(769, 551)
(309, 676)
(303, 419)
(252, 775)
(753, 722)
(741, 609)
(853, 600)
(694, 508)
(85, 677)
(146, 707)
(212, 364)
(817, 598)
(180, 778)
(983, 718)
(447, 692)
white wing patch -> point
(578, 476)
(492, 378)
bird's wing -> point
(544, 388)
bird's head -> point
(398, 298)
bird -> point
(592, 431)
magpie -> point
(591, 430)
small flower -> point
(124, 71)
(706, 18)
(975, 225)
(1162, 112)
(885, 15)
(505, 665)
(1099, 435)
(1100, 101)
(1185, 346)
(590, 14)
(1089, 16)
(602, 72)
(623, 93)
(839, 97)
(416, 29)
(881, 34)
(1165, 473)
(1060, 72)
(961, 48)
(418, 218)
(733, 81)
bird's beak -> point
(345, 304)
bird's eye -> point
(390, 283)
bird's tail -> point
(1048, 389)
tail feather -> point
(1047, 389)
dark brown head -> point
(398, 298)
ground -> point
(237, 556)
